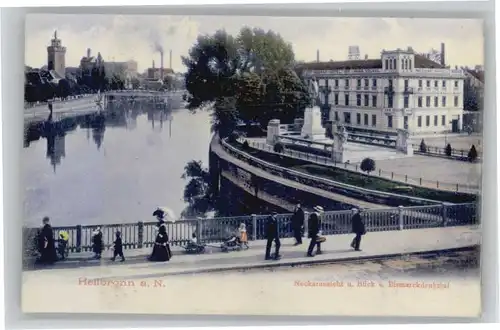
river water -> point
(117, 173)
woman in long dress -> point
(161, 249)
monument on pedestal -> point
(273, 130)
(339, 141)
(312, 128)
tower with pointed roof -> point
(56, 56)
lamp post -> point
(325, 90)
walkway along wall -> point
(142, 234)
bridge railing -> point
(216, 230)
(398, 177)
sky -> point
(122, 38)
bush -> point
(472, 155)
(367, 165)
(447, 150)
(245, 146)
(278, 147)
(423, 146)
(233, 137)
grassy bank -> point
(357, 179)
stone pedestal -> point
(312, 128)
(273, 130)
(403, 142)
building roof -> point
(479, 75)
(420, 62)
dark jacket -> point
(358, 227)
(97, 242)
(271, 227)
(313, 225)
(118, 244)
(298, 219)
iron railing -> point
(142, 234)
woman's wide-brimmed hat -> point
(165, 213)
(318, 208)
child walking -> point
(243, 235)
(118, 247)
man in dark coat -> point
(97, 243)
(272, 235)
(358, 228)
(298, 224)
(46, 243)
(314, 225)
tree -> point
(63, 89)
(367, 165)
(448, 150)
(197, 191)
(278, 147)
(472, 155)
(135, 83)
(254, 70)
(423, 146)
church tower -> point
(56, 56)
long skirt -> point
(160, 253)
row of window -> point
(390, 64)
(364, 100)
(428, 120)
(366, 83)
(436, 101)
(347, 120)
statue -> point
(313, 90)
(343, 133)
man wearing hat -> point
(272, 235)
(358, 228)
(314, 226)
(298, 224)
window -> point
(406, 101)
(427, 101)
(358, 100)
(390, 83)
(374, 120)
(359, 83)
(346, 100)
(406, 84)
(456, 83)
(409, 64)
(336, 116)
(428, 83)
(443, 120)
(367, 82)
(336, 83)
(427, 121)
(358, 118)
(405, 122)
(455, 101)
(390, 101)
(386, 64)
(347, 117)
(435, 120)
(419, 121)
(435, 83)
(367, 101)
(374, 82)
(420, 83)
(444, 83)
(444, 101)
(336, 97)
(436, 101)
(420, 101)
(366, 119)
(374, 101)
(389, 121)
(347, 83)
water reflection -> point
(111, 166)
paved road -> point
(303, 290)
(216, 148)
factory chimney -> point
(317, 55)
(153, 64)
(161, 65)
(170, 60)
(442, 54)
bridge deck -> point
(216, 148)
(59, 282)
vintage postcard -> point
(252, 165)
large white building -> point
(400, 90)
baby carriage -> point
(193, 247)
(62, 245)
(233, 243)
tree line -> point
(40, 86)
